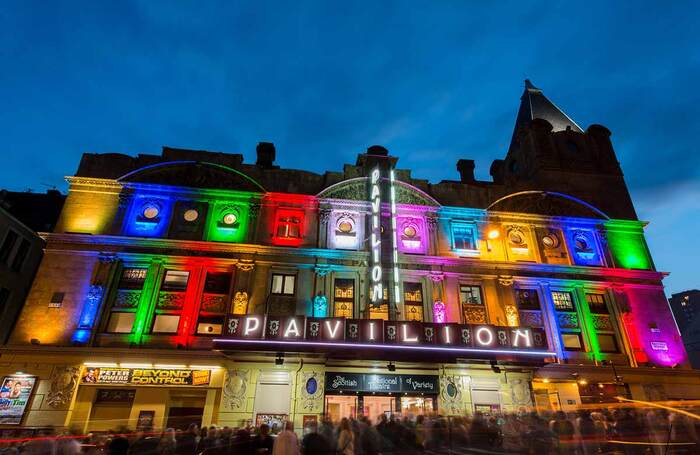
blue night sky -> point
(431, 81)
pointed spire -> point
(533, 104)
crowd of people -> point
(623, 431)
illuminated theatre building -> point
(191, 286)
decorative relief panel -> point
(64, 380)
(214, 303)
(170, 300)
(568, 320)
(474, 314)
(311, 388)
(531, 318)
(240, 303)
(127, 299)
(512, 316)
(235, 388)
(520, 392)
(602, 322)
(451, 395)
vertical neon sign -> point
(376, 293)
(394, 242)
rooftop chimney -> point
(266, 154)
(466, 170)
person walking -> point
(287, 442)
(346, 438)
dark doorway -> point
(181, 418)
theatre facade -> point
(193, 287)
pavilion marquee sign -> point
(301, 332)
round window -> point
(345, 226)
(550, 241)
(191, 215)
(409, 231)
(516, 238)
(230, 218)
(150, 211)
(451, 390)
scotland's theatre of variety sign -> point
(301, 333)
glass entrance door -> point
(339, 406)
(376, 406)
(415, 406)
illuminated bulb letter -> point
(480, 338)
(371, 331)
(375, 175)
(377, 292)
(521, 333)
(448, 336)
(406, 339)
(333, 331)
(291, 328)
(251, 328)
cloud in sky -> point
(323, 80)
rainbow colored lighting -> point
(627, 245)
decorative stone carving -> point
(322, 270)
(127, 299)
(235, 388)
(602, 322)
(512, 315)
(213, 303)
(311, 388)
(437, 277)
(505, 280)
(451, 394)
(568, 320)
(432, 222)
(64, 380)
(170, 300)
(531, 318)
(324, 215)
(245, 265)
(240, 302)
(520, 392)
(474, 314)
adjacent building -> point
(197, 287)
(686, 309)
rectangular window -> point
(597, 303)
(288, 227)
(213, 302)
(166, 323)
(470, 295)
(132, 278)
(413, 301)
(175, 281)
(463, 237)
(607, 343)
(344, 297)
(120, 322)
(21, 255)
(572, 341)
(527, 299)
(8, 245)
(57, 297)
(563, 301)
(283, 284)
(217, 283)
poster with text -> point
(15, 393)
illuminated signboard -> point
(300, 332)
(14, 397)
(145, 376)
(376, 239)
(357, 382)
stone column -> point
(242, 287)
(506, 298)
